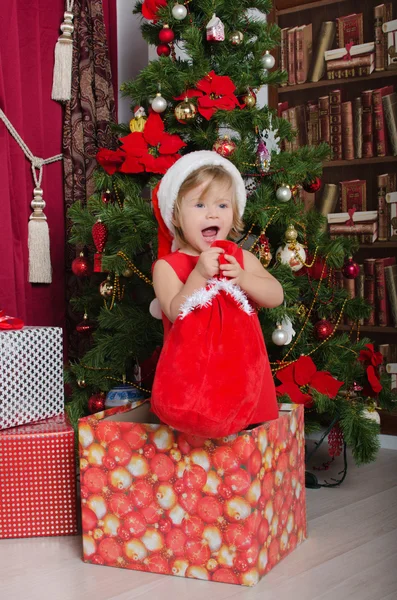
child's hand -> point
(233, 270)
(208, 263)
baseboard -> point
(388, 442)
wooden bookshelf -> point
(336, 83)
(292, 13)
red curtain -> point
(28, 32)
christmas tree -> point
(185, 103)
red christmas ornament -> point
(81, 266)
(99, 235)
(225, 146)
(107, 197)
(96, 403)
(163, 50)
(312, 186)
(335, 441)
(323, 329)
(85, 326)
(350, 269)
(166, 35)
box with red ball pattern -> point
(38, 480)
(225, 510)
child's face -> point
(209, 217)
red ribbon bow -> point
(348, 48)
(7, 322)
(350, 221)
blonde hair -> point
(209, 173)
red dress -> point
(167, 394)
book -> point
(301, 124)
(390, 114)
(323, 115)
(380, 42)
(335, 123)
(347, 131)
(281, 106)
(284, 52)
(391, 286)
(291, 56)
(285, 144)
(325, 41)
(383, 229)
(303, 40)
(358, 61)
(353, 194)
(353, 230)
(351, 72)
(357, 127)
(367, 124)
(328, 199)
(369, 288)
(349, 29)
(359, 285)
(391, 45)
(355, 51)
(366, 216)
(381, 142)
(294, 125)
(385, 351)
(391, 201)
(350, 286)
(312, 124)
(382, 301)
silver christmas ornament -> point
(159, 104)
(283, 193)
(268, 60)
(279, 336)
(179, 12)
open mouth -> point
(210, 233)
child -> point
(201, 200)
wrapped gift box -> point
(31, 367)
(225, 510)
(38, 480)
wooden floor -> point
(351, 554)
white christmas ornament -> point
(268, 60)
(286, 325)
(279, 336)
(289, 253)
(215, 30)
(159, 104)
(373, 415)
(283, 193)
(179, 12)
(271, 138)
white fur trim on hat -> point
(176, 175)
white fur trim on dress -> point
(204, 296)
(176, 175)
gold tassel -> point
(39, 242)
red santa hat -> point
(166, 192)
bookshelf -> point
(295, 13)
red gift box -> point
(38, 480)
(155, 499)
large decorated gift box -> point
(31, 367)
(154, 499)
(38, 480)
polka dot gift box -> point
(38, 480)
(225, 510)
(31, 367)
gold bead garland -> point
(134, 269)
(117, 291)
(123, 380)
(116, 193)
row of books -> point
(302, 63)
(377, 284)
(364, 128)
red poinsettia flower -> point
(214, 92)
(151, 150)
(372, 360)
(150, 8)
(303, 373)
(110, 160)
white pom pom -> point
(155, 309)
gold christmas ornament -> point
(139, 120)
(127, 272)
(106, 288)
(185, 111)
(249, 99)
(236, 37)
(81, 383)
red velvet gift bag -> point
(213, 377)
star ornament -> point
(152, 150)
(214, 92)
(371, 360)
(303, 374)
